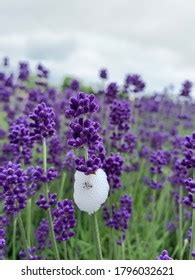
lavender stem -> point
(97, 237)
(23, 234)
(180, 225)
(14, 239)
(54, 243)
(29, 206)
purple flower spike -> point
(88, 166)
(119, 218)
(42, 234)
(64, 220)
(81, 104)
(13, 181)
(103, 74)
(120, 114)
(69, 160)
(113, 167)
(111, 92)
(23, 71)
(164, 256)
(186, 88)
(43, 124)
(30, 255)
(134, 83)
(6, 61)
(74, 85)
(44, 204)
(84, 132)
(2, 239)
(21, 140)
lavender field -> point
(100, 171)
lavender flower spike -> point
(164, 256)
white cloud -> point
(152, 37)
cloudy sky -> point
(155, 38)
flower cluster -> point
(164, 256)
(189, 200)
(21, 140)
(113, 166)
(188, 163)
(14, 190)
(64, 220)
(119, 218)
(42, 72)
(74, 85)
(111, 93)
(134, 83)
(88, 166)
(6, 61)
(159, 159)
(36, 176)
(55, 149)
(103, 74)
(179, 173)
(120, 114)
(6, 89)
(3, 224)
(128, 143)
(42, 234)
(153, 184)
(23, 71)
(84, 133)
(81, 104)
(43, 124)
(186, 88)
(31, 254)
(189, 157)
(69, 161)
(190, 187)
(190, 141)
(43, 203)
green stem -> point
(193, 233)
(96, 228)
(186, 243)
(23, 234)
(65, 250)
(129, 246)
(14, 239)
(123, 250)
(111, 246)
(53, 239)
(28, 222)
(154, 206)
(79, 222)
(62, 186)
(154, 221)
(138, 178)
(97, 237)
(180, 224)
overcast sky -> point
(155, 38)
